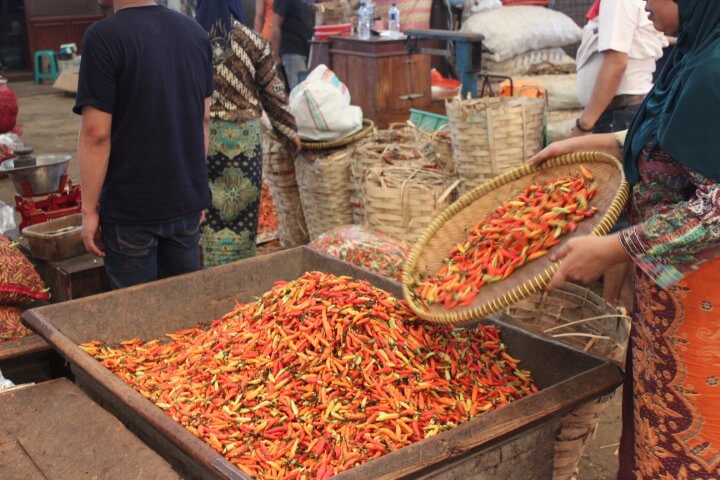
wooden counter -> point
(382, 77)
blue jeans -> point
(138, 254)
(294, 64)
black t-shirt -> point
(151, 68)
(297, 27)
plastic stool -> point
(39, 74)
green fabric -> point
(234, 167)
(682, 113)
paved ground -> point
(51, 127)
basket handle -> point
(590, 319)
(449, 190)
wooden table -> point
(54, 431)
(383, 78)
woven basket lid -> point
(449, 228)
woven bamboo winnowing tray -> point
(450, 227)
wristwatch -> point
(578, 125)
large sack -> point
(548, 61)
(19, 281)
(561, 90)
(321, 106)
(510, 31)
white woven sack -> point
(535, 62)
(510, 31)
(561, 90)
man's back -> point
(151, 69)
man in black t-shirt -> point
(292, 29)
(145, 81)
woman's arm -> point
(274, 100)
(259, 15)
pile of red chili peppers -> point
(517, 232)
(317, 376)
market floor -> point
(50, 127)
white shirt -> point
(623, 26)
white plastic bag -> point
(321, 106)
(482, 5)
(5, 384)
(7, 217)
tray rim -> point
(532, 285)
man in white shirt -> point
(615, 64)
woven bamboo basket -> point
(450, 227)
(492, 135)
(579, 317)
(400, 144)
(401, 201)
(324, 182)
(279, 171)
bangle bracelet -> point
(579, 126)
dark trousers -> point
(138, 254)
(616, 120)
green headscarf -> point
(682, 112)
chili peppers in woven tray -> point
(517, 232)
(364, 248)
(317, 376)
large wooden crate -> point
(513, 442)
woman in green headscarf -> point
(671, 398)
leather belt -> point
(622, 101)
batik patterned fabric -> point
(235, 173)
(677, 215)
(675, 343)
(246, 84)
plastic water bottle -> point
(394, 21)
(363, 22)
(370, 14)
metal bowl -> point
(41, 178)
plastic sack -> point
(8, 143)
(7, 218)
(360, 246)
(321, 106)
(482, 5)
(511, 31)
(5, 384)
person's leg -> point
(131, 254)
(179, 248)
(294, 65)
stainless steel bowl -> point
(43, 177)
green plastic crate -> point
(427, 120)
